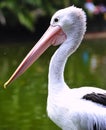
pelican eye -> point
(56, 20)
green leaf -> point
(26, 19)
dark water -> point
(23, 103)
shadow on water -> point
(23, 103)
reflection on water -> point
(23, 103)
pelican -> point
(81, 108)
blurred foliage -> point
(26, 12)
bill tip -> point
(6, 84)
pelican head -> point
(69, 19)
(65, 23)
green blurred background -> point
(22, 23)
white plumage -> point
(70, 112)
(71, 109)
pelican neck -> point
(59, 59)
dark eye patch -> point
(56, 20)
